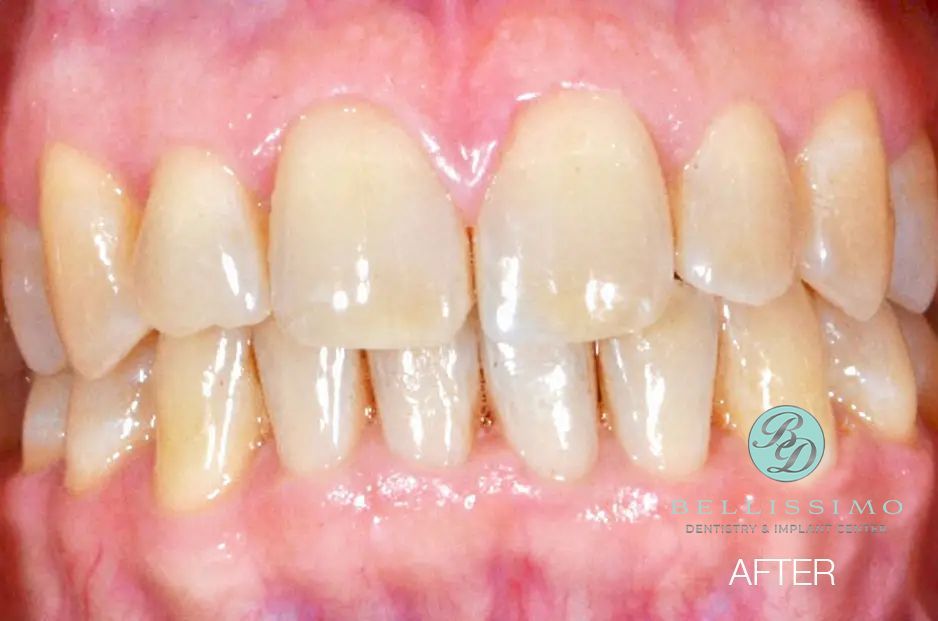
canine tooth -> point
(733, 210)
(210, 414)
(658, 385)
(573, 240)
(922, 345)
(201, 255)
(913, 184)
(544, 397)
(844, 221)
(366, 248)
(868, 368)
(44, 421)
(316, 396)
(27, 304)
(429, 398)
(109, 418)
(88, 229)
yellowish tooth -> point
(44, 421)
(366, 248)
(922, 345)
(868, 369)
(89, 226)
(658, 385)
(210, 415)
(27, 304)
(573, 240)
(733, 211)
(544, 398)
(109, 418)
(844, 222)
(429, 398)
(913, 184)
(201, 257)
(316, 396)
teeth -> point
(658, 385)
(545, 398)
(733, 211)
(316, 396)
(913, 184)
(44, 421)
(88, 228)
(24, 291)
(844, 219)
(868, 369)
(210, 415)
(922, 345)
(200, 259)
(573, 241)
(109, 418)
(366, 248)
(429, 398)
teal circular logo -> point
(786, 443)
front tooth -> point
(89, 226)
(922, 344)
(316, 396)
(109, 418)
(658, 385)
(868, 368)
(24, 292)
(545, 398)
(429, 398)
(573, 240)
(913, 184)
(845, 224)
(733, 210)
(366, 248)
(210, 414)
(201, 256)
(44, 421)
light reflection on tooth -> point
(429, 398)
(922, 345)
(573, 239)
(44, 421)
(201, 257)
(316, 396)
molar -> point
(922, 345)
(44, 421)
(573, 239)
(201, 256)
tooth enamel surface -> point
(24, 294)
(201, 256)
(573, 240)
(109, 418)
(844, 222)
(545, 400)
(429, 398)
(210, 415)
(316, 397)
(88, 229)
(913, 184)
(922, 345)
(366, 248)
(733, 209)
(658, 385)
(44, 421)
(868, 369)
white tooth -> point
(316, 396)
(868, 369)
(573, 239)
(922, 344)
(24, 292)
(544, 397)
(429, 398)
(913, 184)
(658, 385)
(109, 419)
(44, 421)
(201, 256)
(366, 248)
(89, 226)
